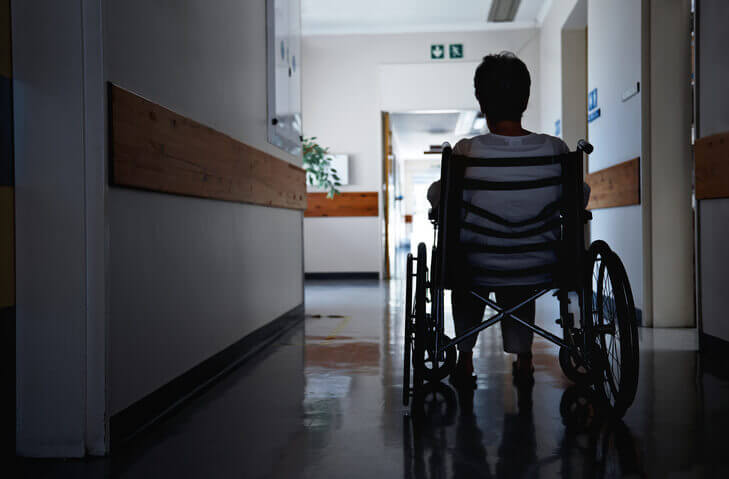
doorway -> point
(412, 142)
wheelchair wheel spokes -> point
(427, 364)
(420, 319)
(613, 330)
(606, 331)
(409, 330)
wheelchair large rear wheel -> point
(421, 327)
(409, 329)
(613, 329)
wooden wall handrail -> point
(364, 203)
(618, 185)
(154, 148)
(711, 155)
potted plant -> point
(318, 166)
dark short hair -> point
(502, 85)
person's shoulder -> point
(463, 146)
(558, 145)
(474, 145)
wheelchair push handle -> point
(585, 146)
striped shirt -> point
(513, 206)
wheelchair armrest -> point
(588, 216)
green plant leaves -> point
(318, 167)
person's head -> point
(502, 85)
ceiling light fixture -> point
(503, 10)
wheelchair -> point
(599, 349)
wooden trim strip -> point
(153, 148)
(712, 166)
(363, 203)
(618, 185)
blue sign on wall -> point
(593, 115)
(592, 100)
(557, 128)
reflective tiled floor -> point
(325, 401)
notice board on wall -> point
(283, 30)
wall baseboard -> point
(715, 355)
(343, 276)
(169, 398)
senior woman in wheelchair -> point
(502, 84)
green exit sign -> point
(437, 52)
(455, 50)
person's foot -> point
(463, 376)
(523, 370)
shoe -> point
(460, 379)
(522, 376)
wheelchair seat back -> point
(527, 231)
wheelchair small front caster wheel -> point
(574, 371)
(441, 368)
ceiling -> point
(320, 17)
(414, 133)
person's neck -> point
(507, 128)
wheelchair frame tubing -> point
(536, 329)
(501, 314)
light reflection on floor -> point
(325, 402)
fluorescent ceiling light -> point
(503, 10)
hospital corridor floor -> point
(324, 401)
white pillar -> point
(667, 196)
(58, 100)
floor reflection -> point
(325, 401)
(497, 430)
(443, 438)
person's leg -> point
(467, 313)
(517, 338)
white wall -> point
(713, 76)
(550, 63)
(658, 264)
(346, 248)
(614, 64)
(50, 218)
(348, 80)
(574, 86)
(188, 276)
